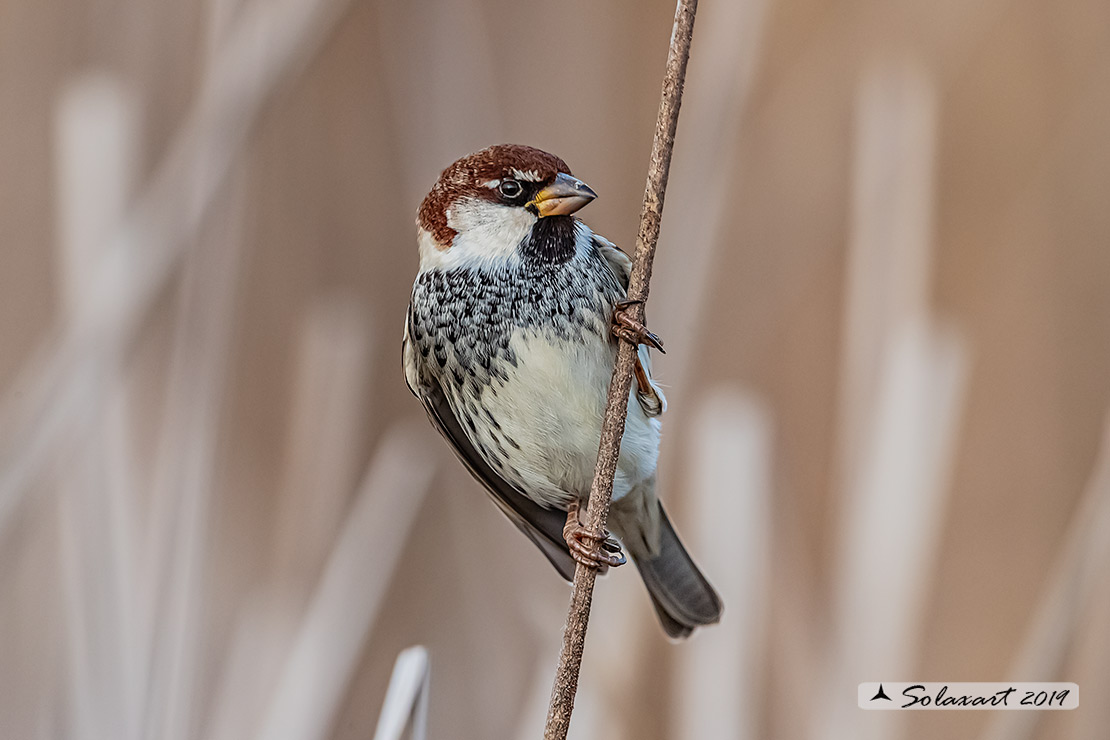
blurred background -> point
(883, 279)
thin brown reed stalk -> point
(601, 492)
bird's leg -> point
(627, 328)
(589, 548)
(642, 382)
(630, 330)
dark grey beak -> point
(562, 197)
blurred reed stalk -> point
(270, 41)
(332, 368)
(1069, 598)
(95, 144)
(331, 377)
(1092, 663)
(128, 678)
(328, 645)
(179, 526)
(718, 682)
(456, 70)
(406, 701)
(704, 181)
(184, 474)
(900, 400)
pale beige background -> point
(867, 195)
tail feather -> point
(682, 596)
(675, 630)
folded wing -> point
(543, 526)
(653, 402)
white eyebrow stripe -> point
(529, 175)
(492, 184)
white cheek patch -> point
(488, 235)
(529, 175)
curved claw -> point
(610, 545)
(589, 548)
(591, 555)
(630, 330)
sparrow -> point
(509, 343)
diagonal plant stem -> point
(612, 429)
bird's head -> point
(485, 204)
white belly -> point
(552, 405)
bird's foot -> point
(629, 329)
(589, 548)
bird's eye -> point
(510, 188)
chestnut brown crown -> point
(506, 173)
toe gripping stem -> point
(589, 548)
(631, 330)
